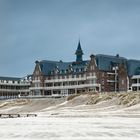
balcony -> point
(91, 77)
(15, 84)
(136, 85)
(110, 73)
(65, 87)
(66, 80)
(111, 81)
(36, 81)
(24, 90)
(14, 90)
(135, 77)
(9, 90)
(36, 88)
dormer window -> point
(62, 71)
(67, 70)
(82, 69)
(77, 70)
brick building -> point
(101, 73)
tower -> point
(79, 53)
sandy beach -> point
(59, 119)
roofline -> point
(133, 60)
(113, 56)
(10, 78)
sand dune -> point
(96, 102)
(82, 117)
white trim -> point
(136, 85)
(135, 77)
(66, 80)
(111, 81)
(65, 87)
(15, 84)
(110, 73)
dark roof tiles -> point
(104, 62)
(10, 78)
(49, 66)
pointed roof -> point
(79, 49)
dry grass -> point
(123, 98)
(16, 102)
(129, 99)
(71, 97)
(96, 98)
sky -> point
(33, 30)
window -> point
(36, 78)
(37, 72)
(122, 82)
(103, 82)
(56, 77)
(77, 70)
(37, 84)
(92, 67)
(93, 81)
(93, 74)
(62, 71)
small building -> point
(13, 87)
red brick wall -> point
(122, 78)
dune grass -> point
(123, 98)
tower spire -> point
(79, 53)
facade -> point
(11, 87)
(57, 78)
(102, 73)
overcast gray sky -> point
(50, 29)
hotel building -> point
(101, 73)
